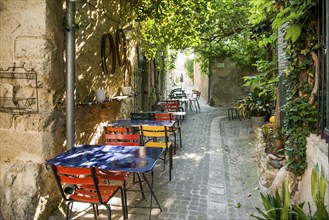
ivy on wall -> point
(301, 76)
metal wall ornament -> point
(121, 47)
(118, 52)
(18, 90)
(111, 53)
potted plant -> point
(100, 94)
(252, 106)
(258, 103)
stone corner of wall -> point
(317, 152)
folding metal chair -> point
(87, 187)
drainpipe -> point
(327, 70)
(70, 73)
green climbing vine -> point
(297, 19)
(300, 77)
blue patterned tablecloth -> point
(108, 157)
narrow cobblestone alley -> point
(214, 175)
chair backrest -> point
(172, 101)
(116, 130)
(122, 139)
(84, 181)
(163, 116)
(196, 94)
(159, 136)
(179, 95)
(141, 116)
(171, 106)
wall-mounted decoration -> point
(111, 52)
(121, 47)
(18, 90)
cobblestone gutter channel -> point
(235, 168)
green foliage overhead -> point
(244, 31)
(211, 28)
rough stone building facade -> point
(224, 85)
(32, 36)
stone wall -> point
(225, 82)
(31, 40)
(271, 178)
(317, 153)
(32, 36)
(96, 18)
(201, 82)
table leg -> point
(152, 192)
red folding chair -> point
(120, 136)
(87, 187)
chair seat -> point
(87, 193)
(87, 187)
(114, 175)
(158, 144)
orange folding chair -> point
(87, 187)
(122, 139)
(116, 130)
(172, 106)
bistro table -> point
(137, 123)
(135, 159)
(178, 114)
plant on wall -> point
(297, 20)
(301, 77)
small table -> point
(129, 123)
(173, 113)
(136, 159)
(137, 123)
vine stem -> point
(316, 78)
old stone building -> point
(224, 84)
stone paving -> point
(214, 175)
